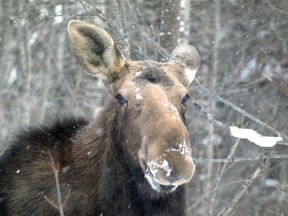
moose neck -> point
(131, 181)
(101, 141)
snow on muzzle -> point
(171, 168)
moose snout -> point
(172, 169)
(166, 154)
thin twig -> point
(55, 168)
(228, 210)
(238, 109)
(66, 198)
(209, 116)
(275, 8)
(219, 177)
(237, 159)
(277, 213)
(51, 202)
(222, 125)
(60, 207)
(65, 82)
(152, 42)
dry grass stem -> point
(60, 207)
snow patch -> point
(174, 117)
(99, 132)
(182, 150)
(65, 169)
(154, 167)
(173, 110)
(58, 18)
(33, 38)
(138, 94)
(155, 186)
(12, 76)
(253, 136)
(271, 182)
(152, 183)
(171, 107)
(247, 71)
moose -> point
(133, 159)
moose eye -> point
(185, 100)
(121, 100)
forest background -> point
(242, 81)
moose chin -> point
(134, 158)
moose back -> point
(133, 159)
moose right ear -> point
(94, 49)
(187, 56)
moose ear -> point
(187, 57)
(94, 49)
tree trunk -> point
(169, 26)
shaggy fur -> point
(92, 166)
(134, 159)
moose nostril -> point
(172, 177)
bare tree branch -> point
(238, 109)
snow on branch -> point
(253, 136)
(239, 110)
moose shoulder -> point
(133, 159)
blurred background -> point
(242, 81)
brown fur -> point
(134, 159)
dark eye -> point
(185, 100)
(121, 100)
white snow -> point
(248, 70)
(155, 166)
(138, 90)
(182, 150)
(65, 169)
(139, 94)
(33, 38)
(174, 117)
(155, 186)
(253, 136)
(171, 107)
(271, 182)
(100, 132)
(13, 75)
(59, 14)
(173, 110)
(138, 73)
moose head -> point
(150, 101)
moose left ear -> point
(95, 50)
(188, 57)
